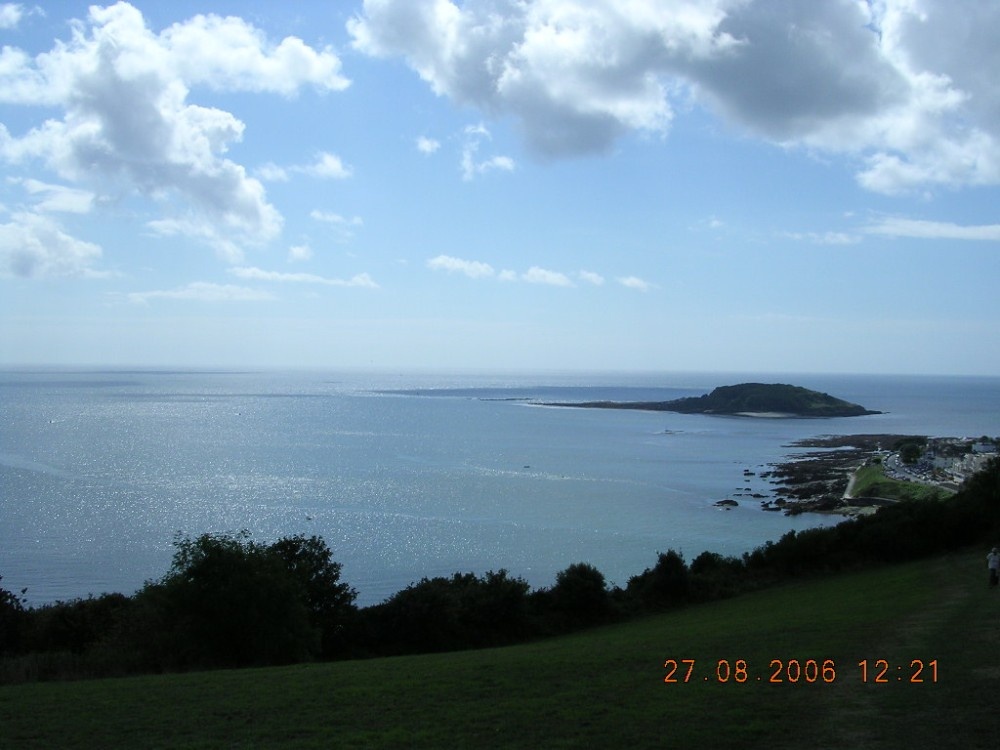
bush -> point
(714, 576)
(76, 625)
(228, 601)
(444, 614)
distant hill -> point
(749, 399)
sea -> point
(408, 475)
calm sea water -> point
(405, 476)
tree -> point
(330, 602)
(448, 614)
(12, 616)
(665, 585)
(77, 625)
(580, 595)
(227, 602)
(910, 453)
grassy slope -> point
(603, 688)
(871, 481)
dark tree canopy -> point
(229, 601)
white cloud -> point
(329, 217)
(427, 145)
(59, 198)
(35, 246)
(503, 163)
(127, 124)
(203, 291)
(634, 282)
(257, 274)
(300, 253)
(200, 229)
(343, 226)
(536, 275)
(575, 75)
(10, 15)
(905, 87)
(899, 227)
(824, 238)
(326, 166)
(471, 164)
(231, 55)
(472, 268)
(479, 129)
(271, 172)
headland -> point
(761, 400)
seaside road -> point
(849, 490)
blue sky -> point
(727, 185)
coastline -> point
(824, 481)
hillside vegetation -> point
(768, 398)
(601, 688)
(747, 399)
(232, 602)
(871, 481)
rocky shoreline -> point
(823, 476)
(820, 478)
(817, 481)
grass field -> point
(602, 688)
(871, 481)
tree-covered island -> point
(747, 399)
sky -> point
(515, 185)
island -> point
(746, 400)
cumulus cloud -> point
(33, 245)
(203, 291)
(10, 15)
(575, 75)
(127, 124)
(229, 54)
(300, 253)
(905, 88)
(257, 274)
